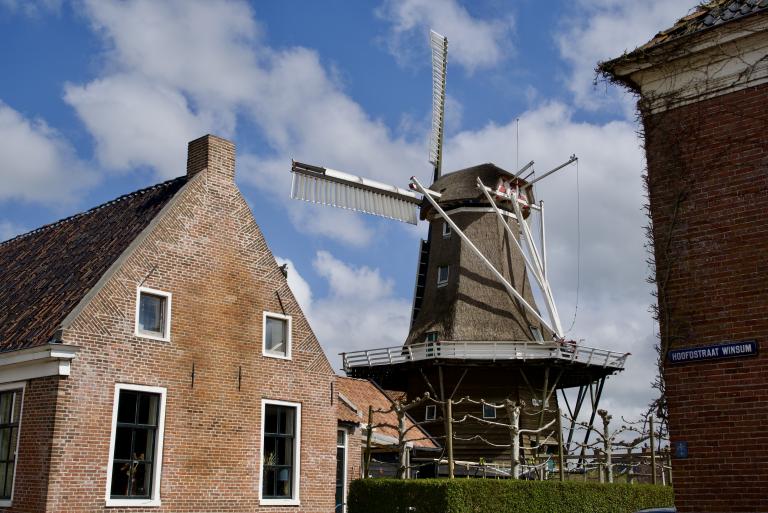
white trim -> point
(293, 501)
(427, 416)
(21, 385)
(157, 471)
(443, 283)
(289, 338)
(36, 362)
(166, 337)
(346, 464)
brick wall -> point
(210, 254)
(37, 425)
(708, 189)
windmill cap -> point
(459, 188)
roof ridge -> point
(92, 210)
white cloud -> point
(472, 43)
(38, 164)
(197, 68)
(359, 311)
(137, 139)
(605, 29)
(9, 229)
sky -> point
(99, 98)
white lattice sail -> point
(337, 189)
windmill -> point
(473, 298)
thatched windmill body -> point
(475, 329)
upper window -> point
(489, 412)
(277, 335)
(446, 230)
(431, 412)
(442, 275)
(153, 314)
(281, 428)
(536, 332)
(10, 418)
(431, 336)
(136, 446)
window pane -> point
(276, 335)
(6, 402)
(8, 480)
(270, 419)
(284, 482)
(143, 444)
(5, 443)
(16, 406)
(152, 313)
(123, 439)
(126, 406)
(268, 490)
(142, 476)
(120, 479)
(489, 412)
(284, 449)
(148, 407)
(341, 437)
(286, 420)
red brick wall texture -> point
(708, 189)
(206, 250)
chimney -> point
(211, 153)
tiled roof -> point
(706, 15)
(703, 17)
(363, 393)
(45, 273)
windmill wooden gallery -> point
(479, 351)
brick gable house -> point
(153, 358)
(703, 99)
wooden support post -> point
(402, 449)
(560, 456)
(653, 450)
(513, 411)
(367, 460)
(448, 422)
(629, 465)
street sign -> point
(714, 352)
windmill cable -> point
(578, 248)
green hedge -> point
(502, 496)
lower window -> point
(341, 471)
(281, 423)
(134, 470)
(10, 418)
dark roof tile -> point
(45, 273)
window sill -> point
(132, 503)
(279, 502)
(5, 503)
(159, 338)
(279, 357)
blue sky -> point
(99, 98)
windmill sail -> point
(439, 45)
(330, 187)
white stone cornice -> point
(37, 362)
(718, 61)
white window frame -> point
(289, 338)
(433, 409)
(492, 409)
(153, 501)
(166, 337)
(19, 385)
(293, 501)
(346, 464)
(443, 283)
(447, 231)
